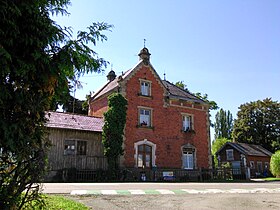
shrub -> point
(275, 164)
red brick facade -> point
(164, 135)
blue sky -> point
(227, 49)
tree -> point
(38, 58)
(223, 124)
(216, 145)
(113, 130)
(213, 104)
(258, 122)
(275, 164)
(181, 85)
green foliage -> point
(213, 104)
(113, 130)
(54, 202)
(223, 124)
(181, 85)
(258, 122)
(38, 58)
(275, 164)
(216, 145)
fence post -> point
(200, 174)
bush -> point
(275, 164)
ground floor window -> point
(75, 147)
(144, 154)
(188, 157)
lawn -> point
(271, 179)
(55, 202)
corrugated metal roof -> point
(74, 121)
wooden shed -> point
(76, 143)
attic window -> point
(229, 154)
(145, 89)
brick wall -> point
(167, 125)
(166, 132)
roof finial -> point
(164, 76)
(144, 43)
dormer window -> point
(145, 88)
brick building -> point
(166, 126)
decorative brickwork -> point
(171, 146)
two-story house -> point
(166, 126)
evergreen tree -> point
(258, 122)
(113, 130)
(223, 124)
(38, 58)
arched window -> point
(144, 158)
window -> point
(145, 88)
(145, 117)
(69, 147)
(229, 154)
(259, 167)
(144, 159)
(188, 158)
(73, 147)
(252, 164)
(81, 147)
(187, 122)
(145, 153)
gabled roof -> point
(248, 149)
(74, 121)
(172, 90)
(177, 92)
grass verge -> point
(55, 202)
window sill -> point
(145, 127)
(145, 96)
(188, 131)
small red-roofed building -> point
(75, 143)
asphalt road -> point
(205, 196)
(67, 188)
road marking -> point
(79, 192)
(172, 192)
(165, 192)
(109, 192)
(137, 192)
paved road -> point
(161, 196)
(161, 188)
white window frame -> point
(188, 157)
(145, 87)
(145, 117)
(230, 155)
(187, 122)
